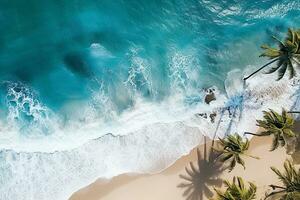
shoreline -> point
(163, 185)
(108, 156)
(252, 92)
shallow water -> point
(73, 71)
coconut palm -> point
(291, 183)
(285, 56)
(278, 125)
(233, 147)
(237, 191)
(294, 112)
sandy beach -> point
(164, 185)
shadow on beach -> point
(202, 177)
(296, 154)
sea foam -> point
(41, 175)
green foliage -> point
(290, 179)
(287, 54)
(237, 191)
(278, 125)
(233, 146)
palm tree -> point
(233, 146)
(286, 55)
(291, 183)
(237, 191)
(280, 126)
(294, 112)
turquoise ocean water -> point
(64, 52)
(74, 70)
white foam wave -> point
(183, 70)
(38, 175)
(139, 74)
(277, 10)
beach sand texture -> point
(164, 185)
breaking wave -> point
(105, 82)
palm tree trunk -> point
(276, 186)
(248, 133)
(273, 193)
(274, 60)
(255, 157)
(205, 153)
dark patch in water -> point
(76, 64)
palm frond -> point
(232, 148)
(278, 125)
(236, 190)
(284, 55)
(281, 71)
(290, 179)
(269, 52)
(291, 70)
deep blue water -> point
(58, 53)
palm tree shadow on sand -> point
(296, 154)
(201, 179)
